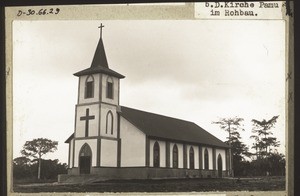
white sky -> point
(194, 70)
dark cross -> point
(87, 118)
(100, 27)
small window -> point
(109, 123)
(156, 154)
(192, 164)
(205, 159)
(175, 156)
(89, 87)
(109, 88)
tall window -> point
(205, 159)
(109, 122)
(89, 87)
(109, 88)
(175, 156)
(192, 164)
(156, 154)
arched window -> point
(192, 163)
(156, 154)
(89, 87)
(205, 159)
(109, 122)
(109, 88)
(175, 156)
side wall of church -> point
(93, 124)
(93, 145)
(210, 157)
(180, 154)
(105, 124)
(196, 156)
(222, 152)
(71, 146)
(133, 145)
(162, 152)
(115, 99)
(81, 90)
(108, 156)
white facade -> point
(133, 145)
(162, 153)
(108, 153)
(93, 145)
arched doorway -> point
(85, 159)
(219, 166)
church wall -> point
(108, 153)
(196, 156)
(223, 155)
(82, 80)
(115, 99)
(210, 157)
(93, 124)
(93, 145)
(162, 152)
(105, 108)
(180, 154)
(71, 153)
(133, 143)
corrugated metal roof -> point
(169, 128)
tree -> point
(261, 129)
(238, 150)
(37, 148)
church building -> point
(111, 141)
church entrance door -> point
(85, 164)
(219, 166)
(85, 159)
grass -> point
(163, 185)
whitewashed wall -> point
(81, 92)
(105, 108)
(115, 90)
(196, 156)
(210, 157)
(108, 153)
(223, 155)
(162, 152)
(71, 153)
(93, 124)
(133, 145)
(93, 145)
(180, 154)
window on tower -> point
(109, 90)
(89, 87)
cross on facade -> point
(86, 118)
(100, 27)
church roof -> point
(99, 63)
(169, 128)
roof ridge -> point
(158, 114)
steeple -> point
(99, 63)
(100, 56)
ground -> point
(170, 185)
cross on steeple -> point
(100, 27)
(87, 118)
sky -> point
(196, 70)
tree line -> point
(265, 160)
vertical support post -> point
(200, 158)
(167, 154)
(119, 142)
(98, 152)
(184, 156)
(147, 154)
(214, 158)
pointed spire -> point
(100, 56)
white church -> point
(111, 141)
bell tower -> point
(96, 113)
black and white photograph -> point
(149, 105)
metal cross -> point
(87, 118)
(100, 27)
